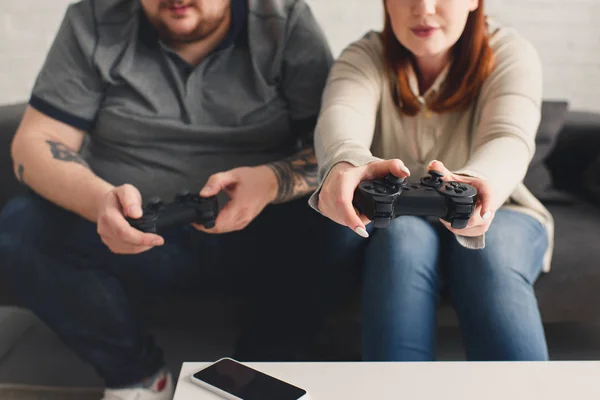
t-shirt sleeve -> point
(68, 87)
(307, 59)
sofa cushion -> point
(538, 179)
(569, 292)
(577, 146)
(10, 117)
(591, 179)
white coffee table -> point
(425, 381)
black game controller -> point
(381, 200)
(185, 209)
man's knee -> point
(28, 223)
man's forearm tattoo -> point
(64, 153)
(296, 175)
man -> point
(220, 96)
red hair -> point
(473, 61)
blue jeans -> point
(491, 289)
(285, 260)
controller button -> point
(449, 187)
(368, 186)
(381, 190)
(463, 187)
(380, 222)
(183, 196)
(464, 208)
(383, 208)
(154, 204)
(455, 184)
(460, 223)
(459, 191)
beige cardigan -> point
(494, 139)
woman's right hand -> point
(337, 192)
(116, 233)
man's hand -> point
(337, 192)
(250, 190)
(116, 233)
(483, 214)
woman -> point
(440, 83)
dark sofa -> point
(568, 296)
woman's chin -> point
(429, 52)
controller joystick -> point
(394, 180)
(434, 179)
(155, 204)
(184, 195)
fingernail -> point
(156, 242)
(361, 232)
(431, 163)
(487, 215)
(403, 168)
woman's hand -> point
(483, 214)
(337, 192)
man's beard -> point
(202, 31)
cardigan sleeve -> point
(346, 123)
(508, 114)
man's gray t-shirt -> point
(162, 125)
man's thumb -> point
(131, 200)
(216, 183)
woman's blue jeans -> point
(491, 289)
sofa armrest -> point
(577, 146)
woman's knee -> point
(407, 244)
(406, 231)
(515, 247)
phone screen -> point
(247, 383)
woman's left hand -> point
(483, 215)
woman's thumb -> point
(439, 166)
(382, 168)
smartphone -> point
(233, 380)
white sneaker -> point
(159, 389)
